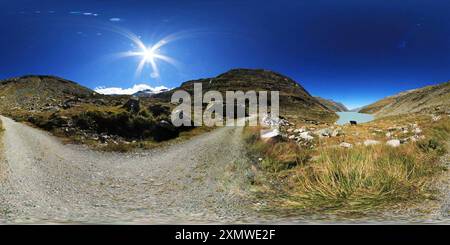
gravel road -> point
(45, 181)
(199, 181)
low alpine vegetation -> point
(356, 178)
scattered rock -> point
(435, 118)
(270, 133)
(415, 138)
(371, 142)
(336, 132)
(393, 143)
(417, 130)
(326, 132)
(273, 122)
(306, 136)
(345, 145)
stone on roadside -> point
(273, 122)
(270, 134)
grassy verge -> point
(1, 151)
(360, 178)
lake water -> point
(346, 117)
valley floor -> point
(46, 181)
(202, 180)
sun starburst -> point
(149, 54)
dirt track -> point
(46, 181)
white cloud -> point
(136, 88)
(115, 19)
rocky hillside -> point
(430, 99)
(295, 101)
(40, 93)
(78, 113)
(332, 105)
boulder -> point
(270, 134)
(325, 132)
(273, 122)
(415, 138)
(336, 132)
(158, 110)
(345, 145)
(164, 130)
(305, 136)
(133, 105)
(393, 143)
(371, 142)
(417, 130)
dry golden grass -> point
(360, 178)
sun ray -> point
(148, 54)
(140, 67)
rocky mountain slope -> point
(82, 115)
(332, 105)
(35, 93)
(430, 99)
(295, 101)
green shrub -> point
(431, 146)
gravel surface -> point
(199, 181)
(44, 181)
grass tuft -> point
(335, 178)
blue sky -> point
(351, 51)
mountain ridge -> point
(332, 105)
(428, 99)
(295, 100)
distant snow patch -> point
(136, 88)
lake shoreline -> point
(346, 117)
